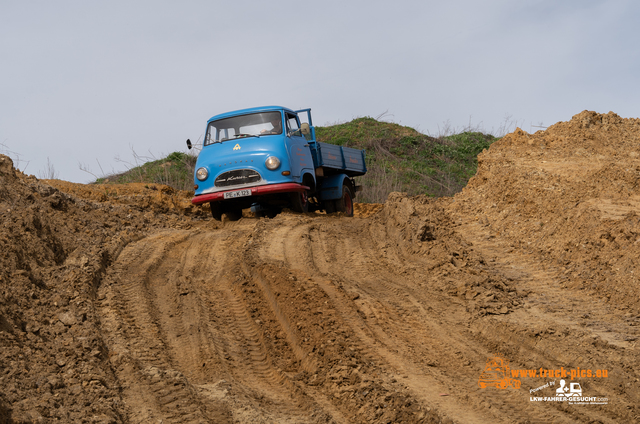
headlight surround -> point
(202, 174)
(272, 163)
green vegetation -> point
(398, 159)
(402, 159)
(176, 170)
(358, 131)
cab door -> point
(300, 154)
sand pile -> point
(55, 249)
(571, 194)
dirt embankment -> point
(572, 195)
(135, 307)
(55, 250)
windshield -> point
(253, 125)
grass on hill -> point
(176, 170)
(398, 159)
(402, 159)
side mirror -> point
(189, 144)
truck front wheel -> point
(345, 203)
(233, 213)
(268, 212)
(216, 210)
(300, 202)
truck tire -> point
(270, 213)
(300, 202)
(216, 210)
(329, 206)
(233, 213)
(345, 203)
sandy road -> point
(119, 303)
(328, 319)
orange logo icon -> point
(497, 373)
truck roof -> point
(250, 110)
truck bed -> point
(345, 159)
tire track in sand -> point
(136, 340)
(548, 306)
(180, 333)
(303, 253)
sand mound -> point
(157, 198)
(570, 193)
(55, 248)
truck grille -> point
(237, 177)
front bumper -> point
(255, 191)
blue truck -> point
(267, 159)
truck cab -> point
(266, 159)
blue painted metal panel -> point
(330, 156)
(300, 159)
(331, 187)
(343, 158)
(354, 160)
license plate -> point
(238, 193)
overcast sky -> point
(89, 82)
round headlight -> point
(272, 163)
(202, 174)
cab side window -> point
(292, 125)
